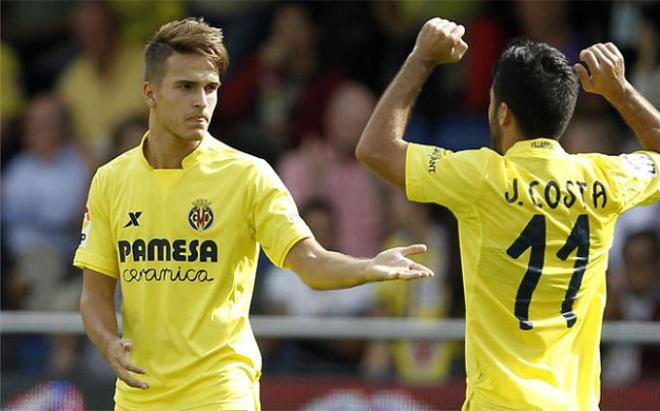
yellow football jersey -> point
(184, 245)
(535, 226)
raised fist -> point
(440, 41)
(606, 74)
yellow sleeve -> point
(640, 185)
(436, 175)
(96, 250)
(277, 225)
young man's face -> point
(184, 99)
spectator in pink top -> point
(329, 170)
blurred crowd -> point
(303, 80)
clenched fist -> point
(606, 75)
(440, 41)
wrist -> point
(416, 59)
(107, 341)
(621, 95)
(364, 269)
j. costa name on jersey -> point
(551, 194)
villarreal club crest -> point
(200, 216)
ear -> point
(148, 92)
(504, 115)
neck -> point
(508, 140)
(166, 151)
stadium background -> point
(302, 81)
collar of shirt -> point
(189, 160)
(538, 147)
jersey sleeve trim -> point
(288, 246)
(414, 185)
(84, 260)
(655, 160)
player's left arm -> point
(321, 269)
(381, 147)
(606, 77)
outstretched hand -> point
(606, 74)
(392, 264)
(440, 41)
(118, 358)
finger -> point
(132, 381)
(603, 60)
(441, 24)
(612, 47)
(588, 57)
(413, 249)
(410, 274)
(458, 31)
(131, 366)
(127, 345)
(459, 50)
(125, 362)
(583, 75)
(424, 270)
(611, 56)
(450, 27)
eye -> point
(211, 88)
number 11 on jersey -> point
(534, 236)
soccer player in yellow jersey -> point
(535, 222)
(178, 222)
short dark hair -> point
(539, 85)
(190, 35)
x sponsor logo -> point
(133, 219)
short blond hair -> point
(187, 36)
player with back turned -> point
(178, 222)
(535, 223)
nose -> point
(200, 100)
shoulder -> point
(219, 155)
(431, 155)
(627, 162)
(120, 166)
(481, 153)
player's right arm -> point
(96, 257)
(606, 77)
(321, 269)
(290, 244)
(97, 307)
(381, 147)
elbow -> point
(83, 304)
(361, 152)
(310, 280)
(365, 155)
(315, 286)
